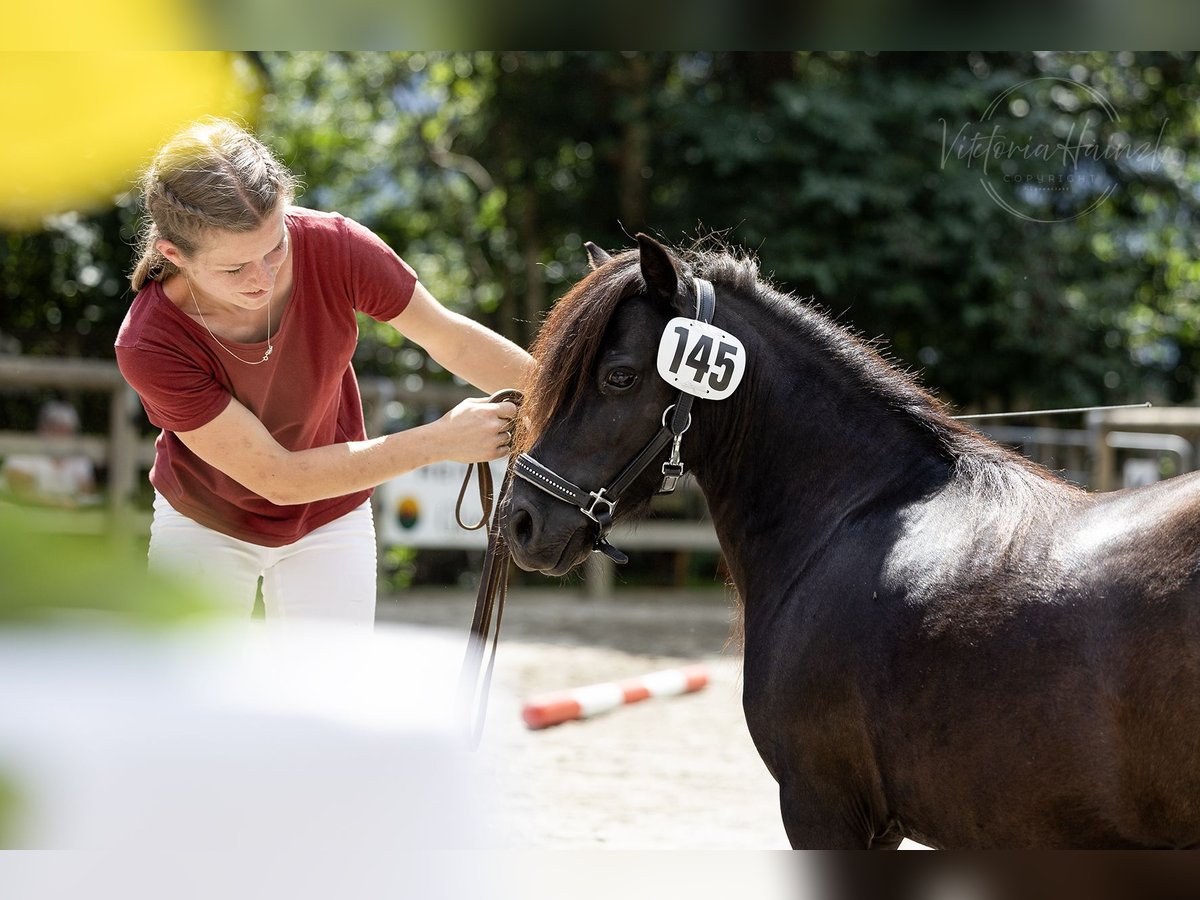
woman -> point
(239, 344)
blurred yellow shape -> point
(79, 125)
(86, 25)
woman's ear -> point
(171, 251)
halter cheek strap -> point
(600, 506)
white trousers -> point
(329, 573)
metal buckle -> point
(670, 478)
(672, 469)
(602, 519)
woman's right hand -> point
(477, 430)
(238, 444)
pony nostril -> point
(520, 525)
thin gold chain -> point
(270, 346)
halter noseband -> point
(600, 506)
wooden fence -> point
(127, 454)
(122, 451)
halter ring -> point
(667, 412)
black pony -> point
(942, 641)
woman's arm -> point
(238, 444)
(462, 346)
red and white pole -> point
(584, 702)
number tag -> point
(701, 359)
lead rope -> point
(493, 589)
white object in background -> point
(416, 509)
(1138, 472)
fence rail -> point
(123, 448)
(127, 454)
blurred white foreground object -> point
(236, 738)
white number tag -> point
(701, 359)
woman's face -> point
(238, 268)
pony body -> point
(942, 640)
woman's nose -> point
(264, 277)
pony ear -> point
(596, 256)
(658, 268)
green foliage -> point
(487, 171)
(10, 810)
(63, 292)
(397, 567)
(48, 577)
(858, 208)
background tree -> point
(487, 171)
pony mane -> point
(567, 343)
(569, 340)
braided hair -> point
(212, 176)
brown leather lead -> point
(493, 589)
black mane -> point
(976, 458)
(567, 344)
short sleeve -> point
(177, 394)
(381, 283)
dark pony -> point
(942, 640)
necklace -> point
(270, 346)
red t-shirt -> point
(306, 394)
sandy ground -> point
(667, 773)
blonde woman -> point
(239, 343)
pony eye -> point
(621, 379)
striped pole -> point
(584, 702)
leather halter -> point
(600, 506)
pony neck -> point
(812, 437)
